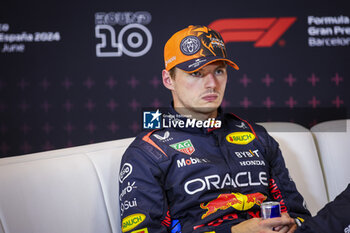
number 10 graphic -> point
(136, 37)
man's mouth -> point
(210, 97)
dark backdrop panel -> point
(66, 79)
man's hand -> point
(284, 224)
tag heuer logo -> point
(184, 147)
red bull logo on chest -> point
(238, 201)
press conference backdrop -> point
(75, 73)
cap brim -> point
(198, 63)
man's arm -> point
(141, 197)
(282, 187)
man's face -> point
(200, 92)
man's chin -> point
(211, 105)
(207, 109)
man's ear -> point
(168, 82)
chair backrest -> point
(75, 190)
(333, 143)
(300, 154)
(71, 190)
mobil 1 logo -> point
(122, 33)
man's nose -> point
(210, 81)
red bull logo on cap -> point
(237, 201)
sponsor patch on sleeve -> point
(143, 230)
(132, 221)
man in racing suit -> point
(209, 171)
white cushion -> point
(300, 154)
(71, 190)
(333, 142)
(107, 163)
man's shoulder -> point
(146, 136)
(241, 123)
(146, 144)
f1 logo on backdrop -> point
(133, 39)
(263, 31)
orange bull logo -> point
(237, 201)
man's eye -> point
(196, 74)
(220, 71)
